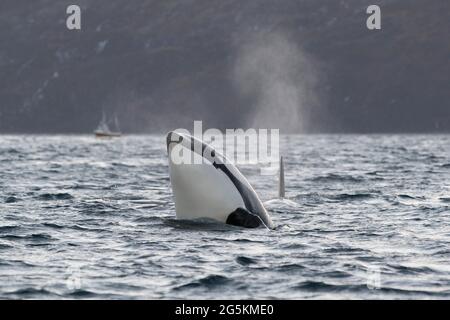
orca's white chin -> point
(205, 185)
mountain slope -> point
(162, 64)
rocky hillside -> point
(231, 63)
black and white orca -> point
(212, 187)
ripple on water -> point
(52, 225)
(34, 238)
(8, 229)
(12, 199)
(320, 286)
(333, 177)
(31, 293)
(199, 224)
(351, 197)
(54, 196)
(209, 282)
(83, 294)
(245, 261)
(290, 267)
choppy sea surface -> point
(367, 217)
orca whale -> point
(212, 187)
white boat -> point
(103, 130)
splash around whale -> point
(213, 187)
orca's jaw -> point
(243, 218)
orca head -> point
(212, 188)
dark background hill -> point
(301, 65)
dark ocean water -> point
(367, 217)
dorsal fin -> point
(281, 180)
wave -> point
(245, 261)
(12, 199)
(30, 292)
(353, 196)
(146, 219)
(33, 237)
(96, 206)
(280, 204)
(406, 270)
(209, 282)
(6, 229)
(199, 224)
(52, 225)
(54, 196)
(323, 287)
(80, 293)
(81, 228)
(320, 286)
(12, 151)
(5, 247)
(290, 267)
(343, 249)
(407, 196)
(243, 240)
(333, 177)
